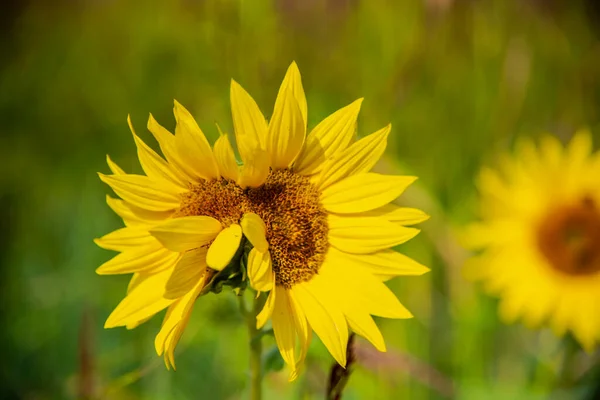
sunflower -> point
(317, 224)
(539, 237)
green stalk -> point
(255, 340)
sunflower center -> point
(220, 199)
(569, 238)
(296, 225)
(289, 206)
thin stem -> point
(255, 340)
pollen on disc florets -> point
(569, 238)
(296, 225)
(295, 220)
(221, 199)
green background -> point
(458, 79)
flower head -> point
(540, 236)
(311, 224)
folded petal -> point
(125, 239)
(260, 271)
(360, 157)
(226, 158)
(186, 233)
(115, 169)
(363, 192)
(123, 211)
(224, 247)
(249, 124)
(362, 323)
(174, 324)
(283, 327)
(328, 323)
(255, 171)
(384, 264)
(190, 268)
(267, 311)
(367, 292)
(142, 302)
(293, 82)
(192, 146)
(303, 331)
(142, 192)
(399, 215)
(168, 146)
(363, 235)
(328, 138)
(255, 231)
(134, 216)
(141, 259)
(154, 166)
(287, 127)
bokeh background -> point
(458, 79)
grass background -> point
(458, 79)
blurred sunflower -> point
(318, 224)
(540, 236)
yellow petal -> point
(135, 216)
(368, 292)
(115, 169)
(364, 192)
(352, 304)
(511, 308)
(142, 302)
(134, 325)
(142, 192)
(579, 150)
(255, 231)
(328, 324)
(359, 157)
(551, 150)
(260, 272)
(585, 326)
(192, 146)
(224, 247)
(399, 215)
(255, 171)
(185, 233)
(140, 259)
(328, 138)
(174, 324)
(287, 127)
(136, 279)
(168, 146)
(187, 272)
(248, 122)
(385, 264)
(267, 311)
(125, 239)
(363, 235)
(363, 324)
(153, 164)
(303, 331)
(123, 211)
(283, 327)
(293, 82)
(226, 158)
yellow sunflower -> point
(317, 223)
(540, 236)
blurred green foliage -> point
(459, 80)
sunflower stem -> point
(255, 341)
